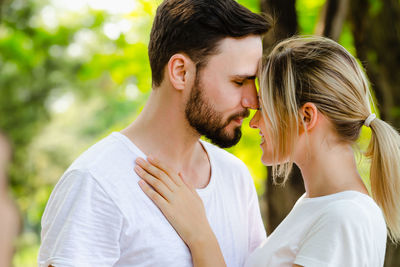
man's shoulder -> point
(110, 152)
(109, 162)
(105, 168)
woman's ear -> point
(180, 68)
(309, 116)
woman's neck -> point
(330, 169)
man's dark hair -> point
(195, 27)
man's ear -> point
(180, 68)
(309, 116)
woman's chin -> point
(266, 161)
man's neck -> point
(161, 130)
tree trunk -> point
(285, 20)
(277, 201)
(376, 31)
(332, 18)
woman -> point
(314, 100)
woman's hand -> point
(178, 201)
(183, 208)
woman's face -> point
(301, 143)
(258, 122)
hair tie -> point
(368, 120)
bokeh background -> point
(73, 71)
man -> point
(204, 56)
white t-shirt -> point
(97, 215)
(343, 229)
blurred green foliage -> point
(69, 77)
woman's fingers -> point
(183, 182)
(157, 184)
(169, 171)
(184, 209)
(153, 195)
(156, 172)
(189, 187)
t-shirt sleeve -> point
(256, 230)
(336, 239)
(81, 225)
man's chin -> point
(231, 128)
(227, 139)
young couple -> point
(155, 194)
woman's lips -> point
(262, 139)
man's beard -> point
(206, 121)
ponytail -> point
(384, 152)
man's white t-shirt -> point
(97, 215)
(343, 229)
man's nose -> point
(249, 98)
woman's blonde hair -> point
(320, 71)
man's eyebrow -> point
(244, 77)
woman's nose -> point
(254, 121)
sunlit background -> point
(73, 71)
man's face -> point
(224, 90)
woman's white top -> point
(343, 229)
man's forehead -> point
(239, 56)
(239, 43)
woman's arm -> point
(183, 208)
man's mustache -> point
(243, 114)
